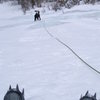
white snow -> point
(40, 64)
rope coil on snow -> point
(70, 50)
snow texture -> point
(40, 64)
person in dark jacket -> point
(37, 16)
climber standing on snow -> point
(37, 15)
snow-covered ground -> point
(40, 64)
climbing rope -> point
(44, 26)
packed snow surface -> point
(45, 68)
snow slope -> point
(40, 64)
